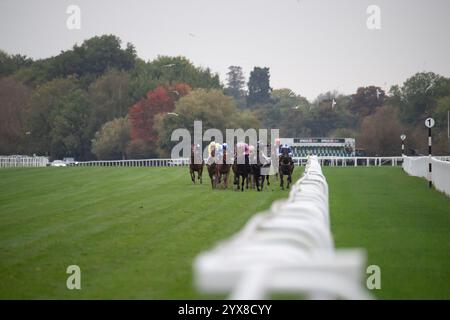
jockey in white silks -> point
(241, 151)
(218, 151)
(286, 148)
(263, 153)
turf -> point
(135, 231)
(404, 226)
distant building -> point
(322, 147)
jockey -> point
(211, 146)
(242, 148)
(219, 150)
(262, 148)
(241, 151)
(277, 147)
(285, 147)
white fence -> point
(440, 175)
(22, 161)
(300, 161)
(288, 249)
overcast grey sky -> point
(310, 46)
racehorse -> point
(256, 170)
(241, 169)
(266, 164)
(286, 167)
(222, 169)
(212, 168)
(196, 164)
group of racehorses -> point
(247, 168)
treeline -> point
(99, 100)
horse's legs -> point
(191, 171)
(200, 173)
(263, 177)
(256, 178)
(212, 177)
(225, 180)
(281, 180)
(216, 179)
(267, 178)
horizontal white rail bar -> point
(300, 161)
(136, 163)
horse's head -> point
(285, 158)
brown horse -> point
(196, 164)
(222, 170)
(212, 169)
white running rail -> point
(22, 161)
(299, 161)
(288, 249)
(440, 174)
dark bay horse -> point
(241, 169)
(256, 166)
(196, 164)
(286, 167)
(222, 169)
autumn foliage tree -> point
(142, 114)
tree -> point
(259, 86)
(14, 103)
(142, 114)
(380, 133)
(366, 100)
(323, 119)
(235, 83)
(212, 107)
(277, 113)
(58, 119)
(140, 149)
(85, 62)
(69, 136)
(112, 140)
(416, 99)
(94, 56)
(109, 97)
(9, 64)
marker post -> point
(429, 123)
